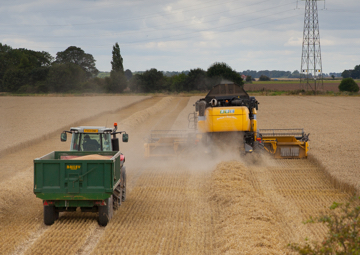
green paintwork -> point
(74, 203)
(76, 180)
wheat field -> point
(224, 204)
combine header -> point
(165, 142)
(285, 143)
(228, 110)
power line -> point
(124, 33)
(130, 19)
(190, 37)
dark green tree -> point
(177, 82)
(197, 80)
(118, 80)
(248, 79)
(264, 78)
(96, 85)
(348, 84)
(77, 56)
(14, 79)
(128, 74)
(223, 71)
(135, 83)
(355, 74)
(295, 74)
(66, 77)
(346, 74)
(22, 67)
(152, 81)
(117, 60)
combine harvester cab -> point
(91, 176)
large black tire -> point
(123, 184)
(106, 212)
(117, 197)
(56, 215)
(50, 214)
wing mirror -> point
(63, 137)
(125, 138)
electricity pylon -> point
(311, 75)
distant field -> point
(103, 74)
(329, 85)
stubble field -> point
(287, 86)
(226, 204)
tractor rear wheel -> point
(106, 212)
(123, 185)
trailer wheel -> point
(106, 212)
(50, 215)
(123, 186)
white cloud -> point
(294, 41)
(194, 32)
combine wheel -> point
(50, 214)
(106, 212)
(123, 184)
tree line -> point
(73, 70)
(354, 73)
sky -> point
(172, 35)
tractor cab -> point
(94, 138)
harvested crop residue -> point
(92, 157)
(245, 221)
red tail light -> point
(100, 202)
(258, 139)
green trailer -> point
(94, 180)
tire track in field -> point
(167, 211)
(21, 213)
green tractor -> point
(91, 176)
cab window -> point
(74, 146)
(90, 142)
(106, 142)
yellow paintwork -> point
(225, 119)
(91, 130)
(274, 143)
(253, 123)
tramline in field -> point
(228, 110)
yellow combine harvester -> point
(228, 109)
